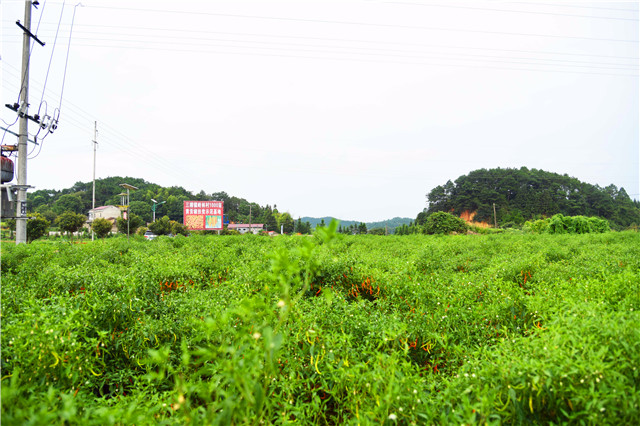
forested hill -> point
(523, 194)
(78, 199)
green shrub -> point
(598, 225)
(37, 227)
(102, 227)
(444, 223)
(560, 224)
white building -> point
(111, 213)
(243, 228)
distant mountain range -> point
(391, 224)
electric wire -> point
(22, 85)
(30, 52)
(355, 23)
(55, 40)
(377, 42)
(148, 158)
(351, 59)
(42, 117)
(65, 71)
(353, 50)
(486, 9)
(564, 4)
(8, 126)
(111, 138)
(66, 62)
(140, 156)
(54, 119)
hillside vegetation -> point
(525, 194)
(78, 199)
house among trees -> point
(111, 213)
(243, 228)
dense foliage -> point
(37, 226)
(102, 227)
(522, 194)
(559, 224)
(129, 225)
(70, 222)
(323, 330)
(164, 226)
(444, 223)
(78, 199)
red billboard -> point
(203, 215)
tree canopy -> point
(526, 194)
(37, 227)
(70, 222)
(101, 227)
(78, 199)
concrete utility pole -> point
(93, 202)
(21, 205)
(495, 221)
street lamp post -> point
(128, 187)
(155, 205)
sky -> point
(351, 109)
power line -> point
(55, 40)
(77, 120)
(355, 23)
(355, 49)
(351, 59)
(390, 60)
(361, 51)
(29, 57)
(487, 9)
(64, 75)
(377, 42)
(112, 137)
(564, 4)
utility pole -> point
(95, 145)
(21, 205)
(495, 222)
(250, 229)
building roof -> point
(244, 225)
(102, 208)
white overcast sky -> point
(351, 109)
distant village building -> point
(111, 213)
(243, 228)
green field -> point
(466, 329)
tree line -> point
(526, 194)
(51, 204)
